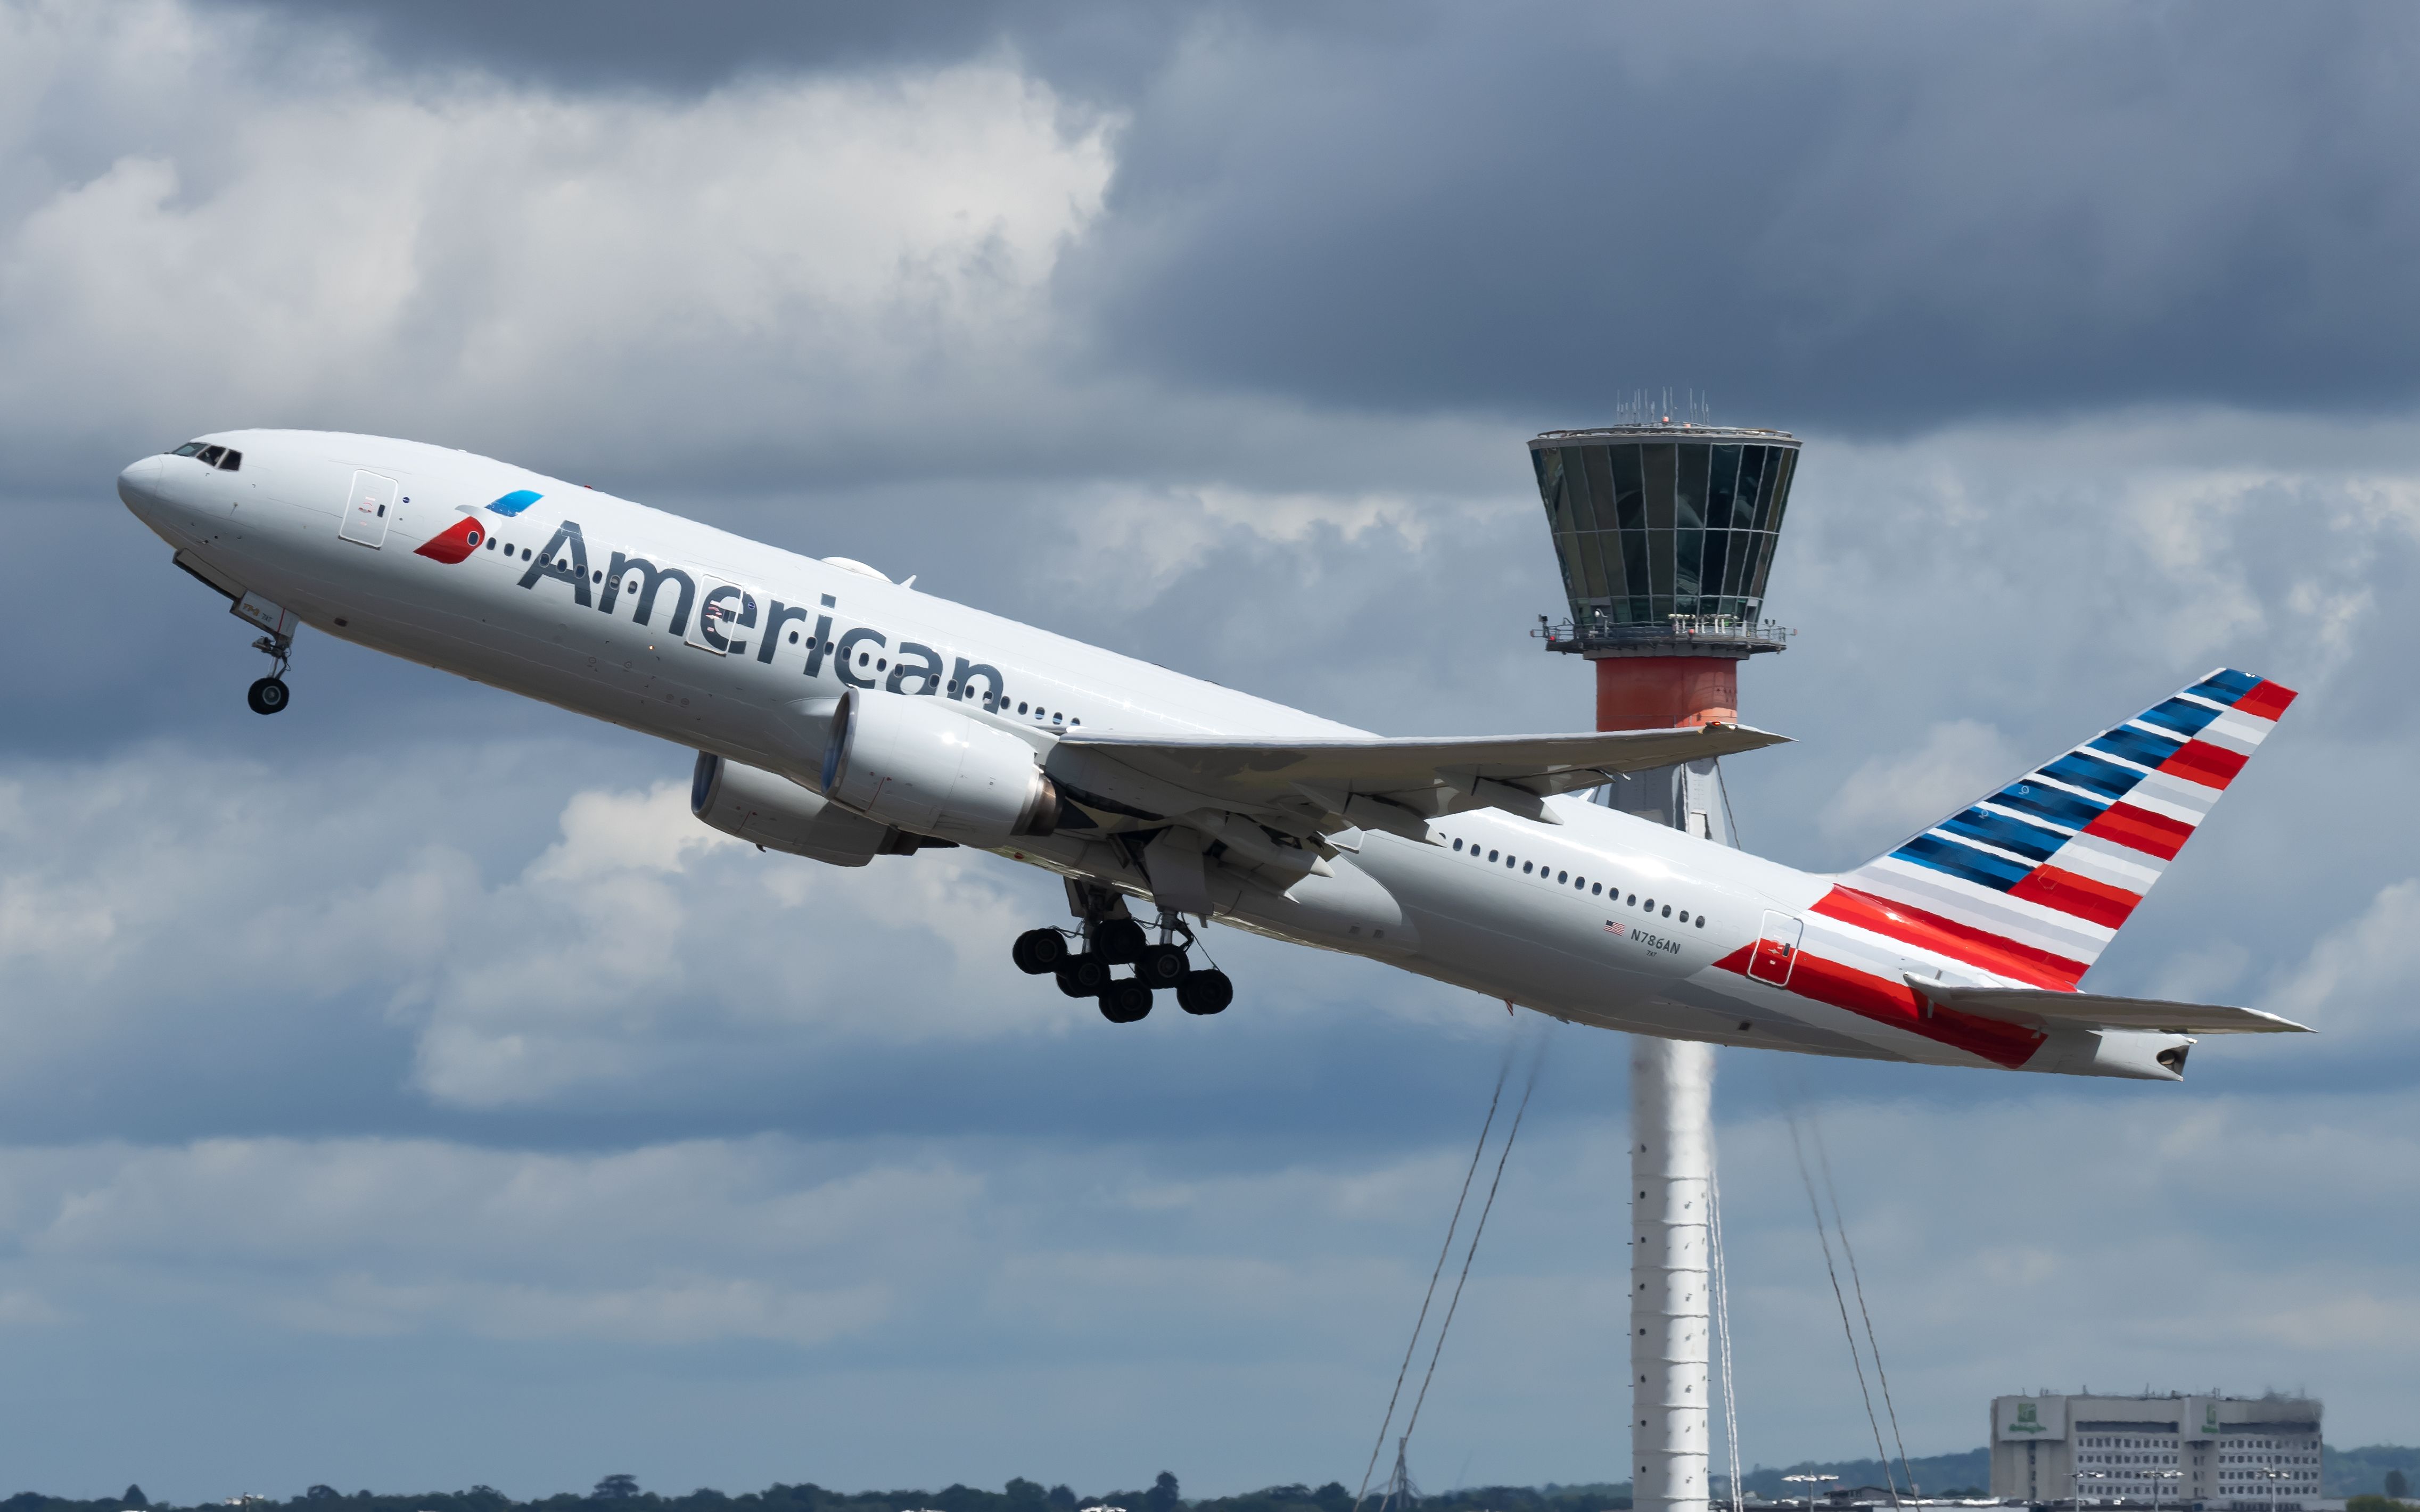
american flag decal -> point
(1613, 928)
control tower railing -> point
(1719, 635)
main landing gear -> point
(1108, 937)
(269, 695)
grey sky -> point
(406, 1092)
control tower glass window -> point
(1659, 525)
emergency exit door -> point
(368, 509)
(1777, 950)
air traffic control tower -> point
(1666, 535)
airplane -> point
(839, 715)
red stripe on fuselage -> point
(2266, 701)
(2198, 760)
(2140, 829)
(1896, 1003)
(2083, 897)
(1967, 943)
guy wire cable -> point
(1825, 1238)
(1477, 1230)
(1831, 1194)
(1723, 1327)
(1505, 1071)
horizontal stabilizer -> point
(2037, 1009)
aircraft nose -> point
(139, 485)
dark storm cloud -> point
(686, 48)
(1868, 216)
(1871, 216)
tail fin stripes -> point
(2034, 881)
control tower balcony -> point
(1680, 635)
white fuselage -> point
(1607, 950)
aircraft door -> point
(1777, 951)
(368, 509)
(725, 614)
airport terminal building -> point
(2207, 1453)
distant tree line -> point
(2380, 1471)
(622, 1494)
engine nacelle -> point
(765, 808)
(919, 765)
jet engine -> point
(765, 809)
(920, 766)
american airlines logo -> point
(727, 616)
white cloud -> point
(165, 881)
(295, 232)
(2362, 978)
(1891, 797)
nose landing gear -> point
(269, 695)
(1108, 937)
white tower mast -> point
(1671, 1157)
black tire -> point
(268, 696)
(1205, 992)
(1125, 1001)
(1040, 951)
(1083, 975)
(1160, 965)
(1120, 941)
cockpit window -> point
(231, 461)
(187, 450)
(210, 455)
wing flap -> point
(1432, 774)
(2040, 1009)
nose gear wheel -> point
(270, 695)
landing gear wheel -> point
(1040, 951)
(1083, 975)
(1125, 1001)
(1120, 941)
(268, 696)
(1205, 992)
(1160, 965)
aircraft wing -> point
(2037, 1009)
(1406, 780)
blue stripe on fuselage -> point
(1961, 861)
(2224, 686)
(2140, 746)
(2044, 801)
(2184, 718)
(2082, 769)
(2007, 834)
